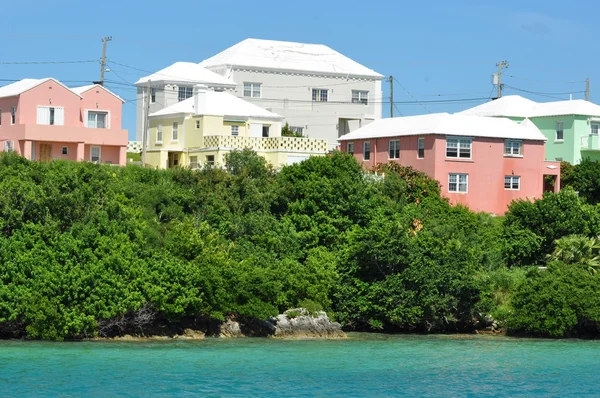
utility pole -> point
(103, 59)
(501, 65)
(587, 89)
(146, 123)
(391, 96)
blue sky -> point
(435, 49)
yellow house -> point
(204, 128)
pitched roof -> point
(271, 54)
(21, 86)
(82, 89)
(507, 106)
(187, 72)
(517, 106)
(218, 103)
(447, 124)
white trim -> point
(458, 182)
(99, 153)
(459, 139)
(108, 115)
(512, 178)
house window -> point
(210, 160)
(96, 120)
(13, 115)
(175, 131)
(159, 133)
(0, 117)
(594, 128)
(8, 146)
(252, 90)
(512, 148)
(48, 115)
(193, 162)
(512, 183)
(421, 148)
(265, 131)
(351, 148)
(152, 95)
(394, 149)
(185, 93)
(65, 150)
(560, 131)
(297, 130)
(235, 130)
(197, 124)
(360, 97)
(319, 95)
(458, 183)
(367, 150)
(95, 154)
(458, 148)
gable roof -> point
(18, 88)
(447, 124)
(82, 89)
(517, 106)
(218, 103)
(289, 56)
(187, 72)
(507, 106)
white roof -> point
(289, 56)
(507, 106)
(187, 72)
(447, 124)
(21, 86)
(218, 103)
(517, 106)
(82, 89)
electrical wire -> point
(45, 62)
(412, 96)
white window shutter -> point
(59, 116)
(255, 130)
(43, 115)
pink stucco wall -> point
(486, 169)
(73, 134)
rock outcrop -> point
(299, 324)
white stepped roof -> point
(17, 88)
(289, 56)
(218, 103)
(447, 124)
(187, 72)
(517, 106)
(82, 89)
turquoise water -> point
(364, 365)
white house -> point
(319, 92)
(174, 84)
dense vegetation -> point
(90, 250)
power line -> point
(544, 81)
(408, 92)
(543, 94)
(45, 62)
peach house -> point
(481, 162)
(42, 119)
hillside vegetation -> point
(89, 250)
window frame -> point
(509, 145)
(152, 95)
(458, 182)
(210, 162)
(159, 133)
(64, 150)
(511, 183)
(266, 130)
(194, 163)
(459, 141)
(421, 147)
(175, 132)
(235, 131)
(367, 153)
(317, 95)
(561, 130)
(396, 149)
(251, 89)
(348, 146)
(99, 154)
(13, 115)
(597, 125)
(197, 124)
(0, 117)
(360, 97)
(97, 112)
(188, 92)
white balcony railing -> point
(294, 144)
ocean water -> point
(362, 366)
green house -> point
(571, 127)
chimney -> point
(199, 98)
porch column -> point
(27, 149)
(80, 151)
(122, 155)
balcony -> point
(90, 136)
(590, 143)
(270, 144)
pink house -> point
(42, 119)
(481, 162)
